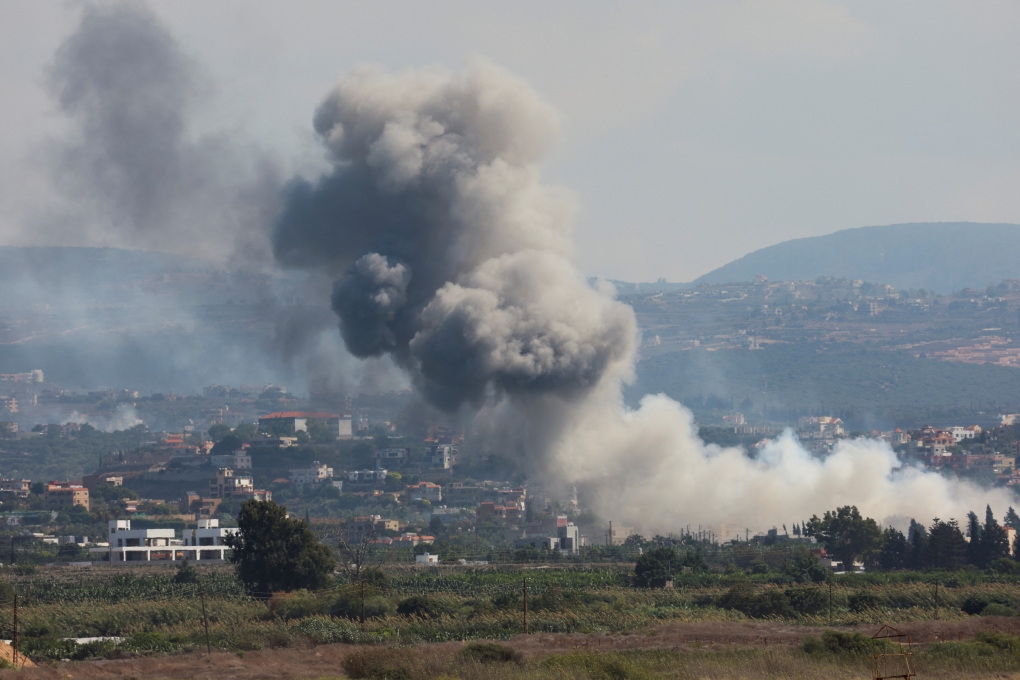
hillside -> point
(943, 257)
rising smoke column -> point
(451, 257)
(131, 170)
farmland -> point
(714, 622)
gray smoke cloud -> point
(450, 256)
(130, 171)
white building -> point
(440, 457)
(426, 559)
(318, 472)
(205, 543)
(238, 460)
(367, 475)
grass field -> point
(581, 623)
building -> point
(208, 539)
(392, 458)
(439, 457)
(552, 533)
(238, 460)
(317, 473)
(18, 488)
(65, 495)
(820, 427)
(228, 485)
(367, 475)
(202, 544)
(283, 423)
(100, 479)
(426, 559)
(424, 491)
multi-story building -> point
(424, 491)
(64, 495)
(291, 422)
(315, 474)
(205, 543)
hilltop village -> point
(377, 471)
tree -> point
(218, 431)
(272, 552)
(994, 541)
(974, 548)
(227, 445)
(656, 567)
(918, 536)
(1012, 519)
(947, 548)
(846, 534)
(894, 553)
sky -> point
(692, 133)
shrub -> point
(380, 664)
(862, 602)
(838, 642)
(1003, 641)
(148, 642)
(808, 600)
(490, 652)
(756, 605)
(426, 607)
(329, 631)
(1004, 565)
(998, 609)
(974, 605)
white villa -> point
(201, 544)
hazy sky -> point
(693, 132)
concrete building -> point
(392, 458)
(439, 457)
(65, 495)
(367, 475)
(238, 460)
(424, 491)
(284, 423)
(204, 544)
(553, 533)
(315, 474)
(426, 559)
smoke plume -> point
(450, 256)
(130, 170)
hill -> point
(943, 257)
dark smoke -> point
(451, 256)
(131, 172)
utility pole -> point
(15, 637)
(936, 599)
(525, 606)
(610, 532)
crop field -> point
(580, 622)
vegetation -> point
(273, 552)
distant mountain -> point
(941, 256)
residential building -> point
(238, 460)
(424, 491)
(439, 457)
(552, 533)
(426, 559)
(315, 474)
(291, 422)
(101, 479)
(201, 544)
(65, 495)
(392, 458)
(228, 485)
(18, 488)
(820, 427)
(367, 475)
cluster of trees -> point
(850, 537)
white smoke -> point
(454, 259)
